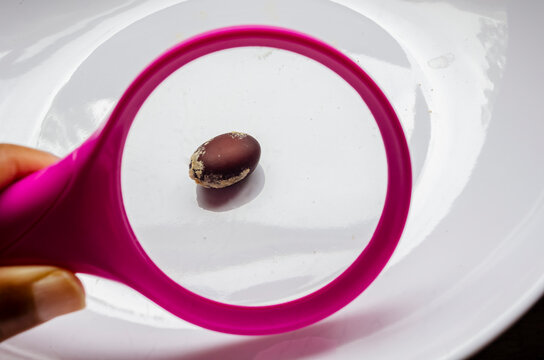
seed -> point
(224, 160)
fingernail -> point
(58, 293)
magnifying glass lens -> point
(293, 225)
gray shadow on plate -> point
(234, 196)
(305, 343)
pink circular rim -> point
(252, 320)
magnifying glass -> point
(73, 215)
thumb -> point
(31, 295)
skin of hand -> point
(31, 295)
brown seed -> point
(224, 160)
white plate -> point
(465, 80)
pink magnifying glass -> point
(72, 215)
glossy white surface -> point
(465, 79)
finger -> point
(18, 161)
(31, 295)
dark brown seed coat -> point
(224, 160)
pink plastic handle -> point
(72, 215)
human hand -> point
(31, 295)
